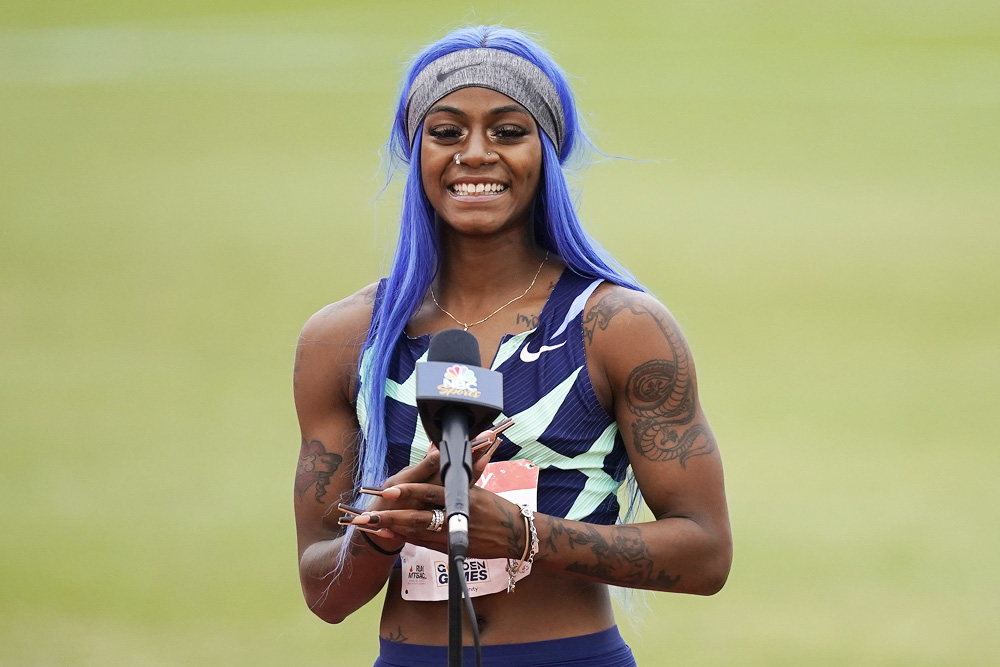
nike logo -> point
(528, 356)
(444, 75)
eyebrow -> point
(444, 108)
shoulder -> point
(631, 338)
(613, 310)
(342, 320)
(330, 345)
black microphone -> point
(456, 397)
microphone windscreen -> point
(454, 346)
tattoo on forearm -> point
(624, 560)
(396, 637)
(660, 393)
(515, 525)
(316, 467)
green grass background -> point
(816, 196)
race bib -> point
(425, 571)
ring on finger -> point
(437, 521)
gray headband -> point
(502, 71)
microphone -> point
(456, 397)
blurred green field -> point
(815, 194)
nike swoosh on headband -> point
(528, 356)
(444, 75)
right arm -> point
(326, 362)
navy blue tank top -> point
(558, 422)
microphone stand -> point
(452, 398)
(456, 472)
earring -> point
(489, 154)
(458, 158)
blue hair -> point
(417, 257)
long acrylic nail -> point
(350, 510)
(372, 491)
(492, 449)
(503, 426)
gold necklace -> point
(472, 324)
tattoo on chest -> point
(527, 320)
(316, 467)
(625, 559)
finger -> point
(488, 437)
(479, 465)
(413, 523)
(359, 520)
(421, 472)
(482, 440)
(415, 493)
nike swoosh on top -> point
(444, 75)
(528, 356)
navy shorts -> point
(601, 649)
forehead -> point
(478, 101)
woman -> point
(598, 382)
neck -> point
(474, 267)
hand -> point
(426, 472)
(496, 529)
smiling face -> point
(494, 187)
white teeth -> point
(477, 188)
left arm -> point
(641, 368)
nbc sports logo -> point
(459, 377)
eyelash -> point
(502, 133)
(509, 132)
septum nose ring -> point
(458, 157)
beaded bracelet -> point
(530, 547)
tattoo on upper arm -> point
(316, 467)
(626, 559)
(365, 296)
(659, 393)
(599, 316)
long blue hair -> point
(417, 258)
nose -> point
(477, 153)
